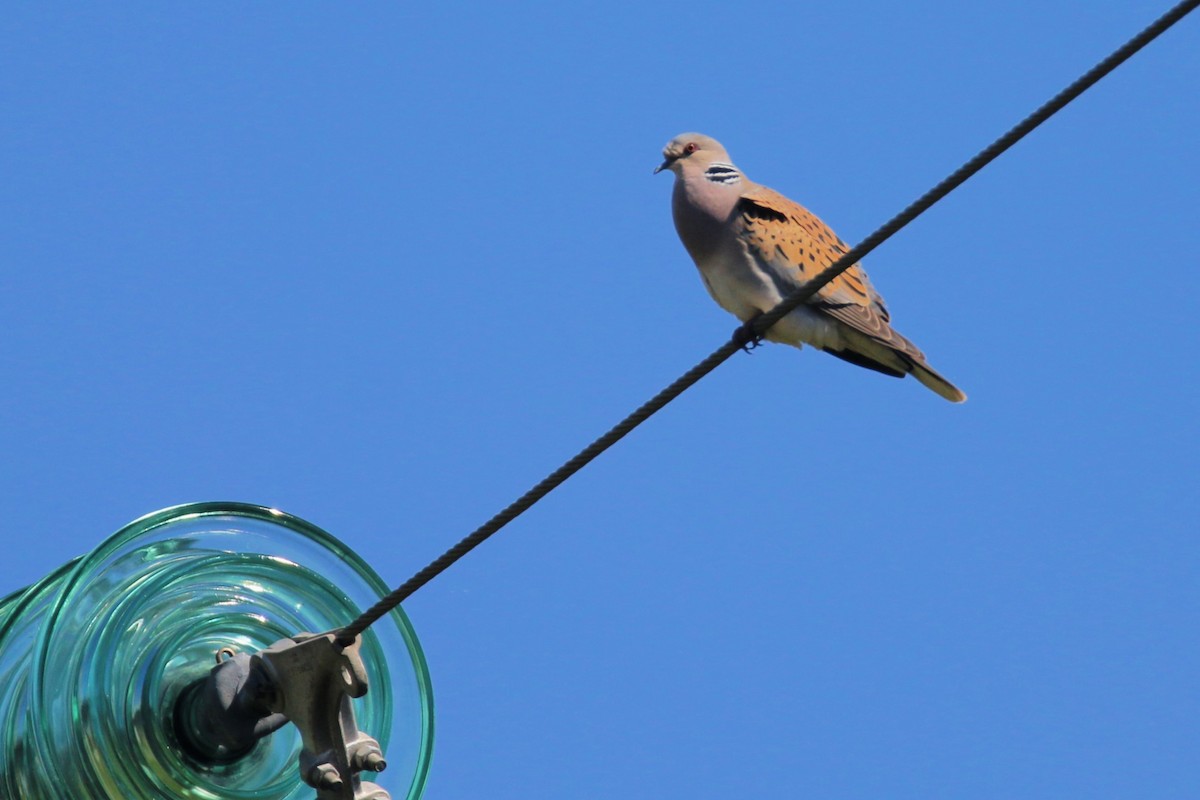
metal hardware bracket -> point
(307, 680)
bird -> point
(753, 247)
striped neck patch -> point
(720, 172)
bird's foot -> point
(746, 337)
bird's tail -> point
(937, 383)
(896, 356)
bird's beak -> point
(664, 165)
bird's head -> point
(691, 148)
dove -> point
(753, 247)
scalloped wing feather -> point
(797, 245)
(792, 241)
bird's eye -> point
(689, 148)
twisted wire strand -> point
(753, 330)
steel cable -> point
(753, 330)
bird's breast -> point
(736, 282)
(702, 224)
(745, 288)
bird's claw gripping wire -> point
(747, 336)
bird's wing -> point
(790, 240)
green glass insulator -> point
(94, 657)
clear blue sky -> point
(385, 266)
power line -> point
(753, 330)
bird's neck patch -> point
(720, 172)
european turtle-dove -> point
(753, 247)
